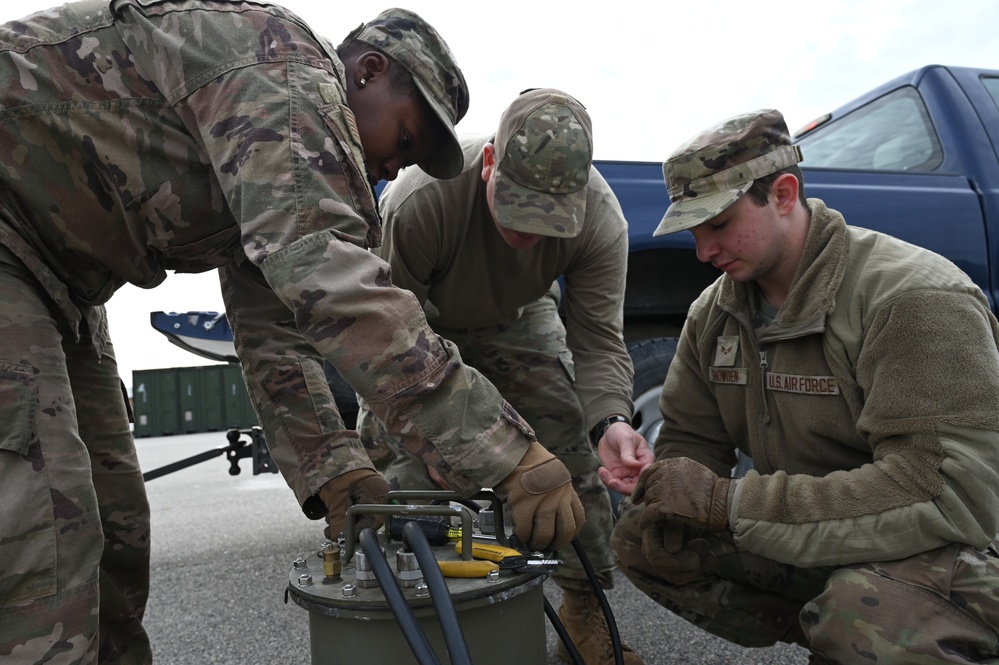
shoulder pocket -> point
(339, 120)
(17, 407)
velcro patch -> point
(726, 350)
(806, 385)
(730, 375)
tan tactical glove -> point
(353, 487)
(547, 514)
(683, 490)
(664, 546)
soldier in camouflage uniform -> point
(141, 136)
(482, 252)
(861, 374)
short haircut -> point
(759, 191)
(399, 78)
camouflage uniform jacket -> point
(148, 136)
(870, 406)
(442, 244)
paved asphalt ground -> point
(223, 547)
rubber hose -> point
(411, 630)
(414, 538)
(604, 605)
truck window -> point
(992, 87)
(891, 133)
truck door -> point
(889, 165)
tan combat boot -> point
(584, 621)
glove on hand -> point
(683, 490)
(663, 547)
(546, 511)
(353, 487)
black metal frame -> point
(237, 449)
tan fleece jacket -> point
(870, 406)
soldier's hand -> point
(663, 545)
(624, 454)
(353, 487)
(683, 490)
(547, 513)
(438, 479)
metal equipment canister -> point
(350, 621)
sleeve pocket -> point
(565, 359)
(340, 123)
(17, 407)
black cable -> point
(562, 634)
(604, 605)
(414, 538)
(411, 630)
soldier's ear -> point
(488, 161)
(785, 192)
(368, 66)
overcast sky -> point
(651, 74)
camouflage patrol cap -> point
(711, 171)
(414, 44)
(544, 149)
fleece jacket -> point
(870, 404)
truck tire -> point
(651, 358)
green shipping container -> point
(186, 400)
(155, 397)
(237, 406)
(191, 404)
(212, 386)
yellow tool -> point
(488, 557)
(467, 568)
(507, 558)
(489, 551)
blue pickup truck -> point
(915, 158)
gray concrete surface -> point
(223, 547)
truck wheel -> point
(651, 358)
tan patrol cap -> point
(715, 168)
(544, 150)
(414, 44)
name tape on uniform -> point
(735, 376)
(806, 385)
(788, 383)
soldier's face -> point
(757, 243)
(396, 130)
(744, 240)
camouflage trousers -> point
(941, 606)
(529, 363)
(74, 520)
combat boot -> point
(584, 621)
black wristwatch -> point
(598, 430)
